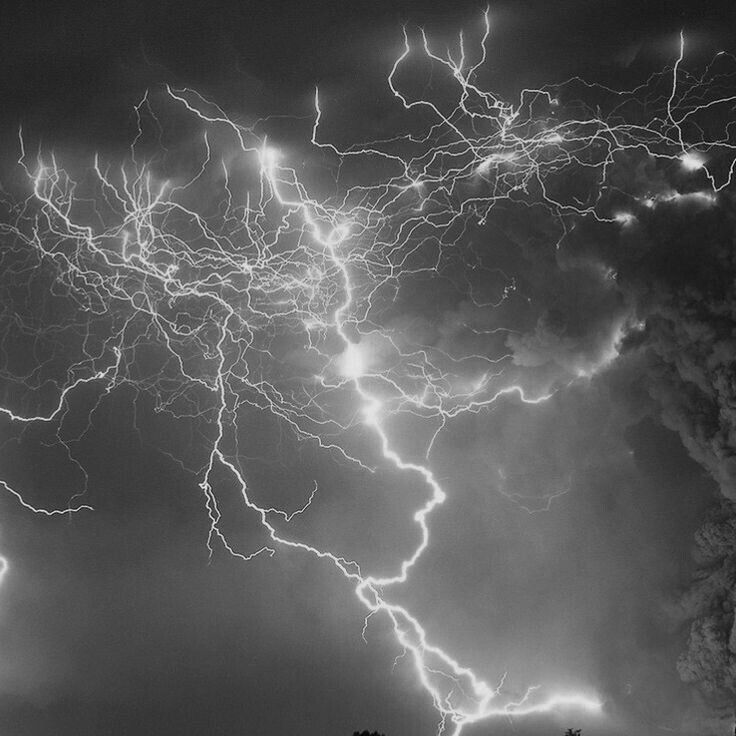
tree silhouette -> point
(573, 732)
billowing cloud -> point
(646, 305)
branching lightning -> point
(214, 283)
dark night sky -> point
(117, 623)
(76, 69)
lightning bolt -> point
(151, 262)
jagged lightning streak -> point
(211, 288)
(407, 628)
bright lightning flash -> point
(691, 162)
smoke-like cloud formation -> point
(657, 291)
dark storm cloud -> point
(662, 287)
(675, 268)
(582, 317)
